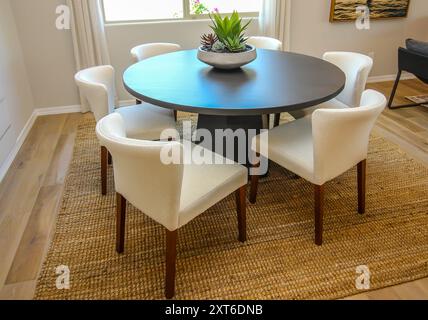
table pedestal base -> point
(249, 125)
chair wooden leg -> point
(120, 223)
(319, 214)
(254, 188)
(241, 205)
(362, 186)
(277, 120)
(104, 161)
(175, 115)
(171, 258)
(254, 183)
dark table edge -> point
(231, 112)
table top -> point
(275, 82)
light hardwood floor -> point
(30, 194)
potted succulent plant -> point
(227, 47)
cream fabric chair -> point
(357, 68)
(172, 195)
(145, 121)
(268, 44)
(148, 50)
(265, 43)
(324, 147)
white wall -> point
(48, 53)
(313, 34)
(17, 106)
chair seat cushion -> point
(332, 104)
(420, 47)
(204, 185)
(291, 146)
(146, 121)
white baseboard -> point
(5, 166)
(19, 142)
(390, 77)
(58, 110)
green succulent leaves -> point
(230, 31)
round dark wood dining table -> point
(275, 82)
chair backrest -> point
(265, 43)
(413, 62)
(357, 68)
(341, 136)
(97, 87)
(149, 50)
(140, 176)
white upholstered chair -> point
(268, 44)
(324, 146)
(146, 121)
(170, 194)
(356, 67)
(265, 43)
(149, 50)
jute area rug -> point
(280, 259)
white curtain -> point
(89, 39)
(274, 20)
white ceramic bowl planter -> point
(227, 60)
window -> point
(224, 6)
(150, 10)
